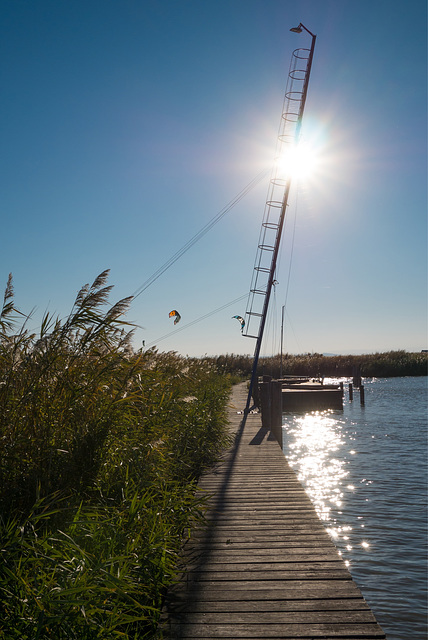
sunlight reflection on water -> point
(365, 470)
(317, 438)
(317, 449)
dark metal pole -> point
(305, 85)
(279, 233)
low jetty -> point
(303, 394)
(311, 396)
(264, 567)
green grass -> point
(101, 449)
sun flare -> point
(299, 162)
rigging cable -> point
(254, 182)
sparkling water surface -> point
(365, 469)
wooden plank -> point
(265, 591)
(267, 574)
(307, 544)
(265, 528)
(283, 631)
(242, 509)
(264, 556)
(319, 588)
(239, 606)
(286, 617)
(257, 538)
(293, 564)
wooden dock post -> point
(271, 407)
(356, 375)
(362, 394)
(351, 391)
(276, 410)
(265, 403)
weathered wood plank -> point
(292, 521)
(268, 507)
(263, 557)
(288, 545)
(239, 606)
(267, 591)
(283, 631)
(236, 576)
(292, 564)
(265, 528)
(286, 617)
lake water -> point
(365, 469)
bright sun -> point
(299, 162)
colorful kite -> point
(241, 320)
(175, 313)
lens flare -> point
(298, 161)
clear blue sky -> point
(128, 125)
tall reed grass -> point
(383, 365)
(100, 451)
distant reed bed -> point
(383, 365)
(100, 451)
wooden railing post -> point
(271, 407)
(265, 403)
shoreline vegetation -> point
(390, 364)
(101, 448)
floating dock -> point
(264, 567)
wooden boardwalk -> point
(264, 567)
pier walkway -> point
(265, 566)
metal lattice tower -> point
(277, 198)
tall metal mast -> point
(277, 200)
